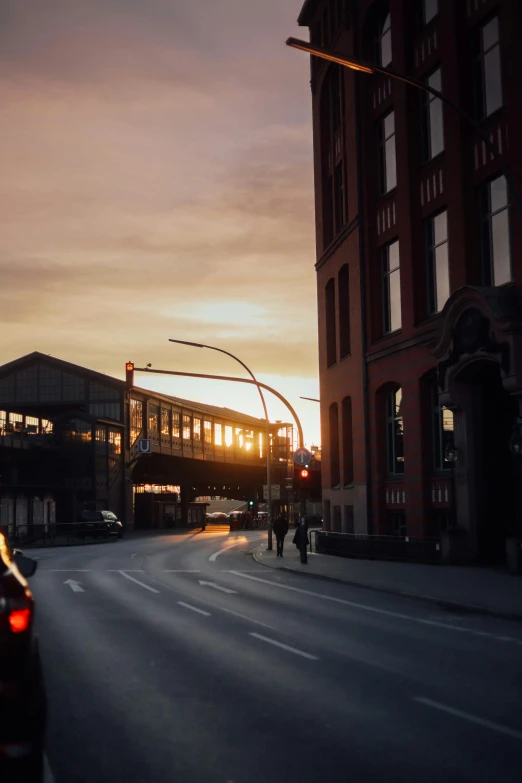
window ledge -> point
(346, 356)
(432, 161)
(383, 196)
(350, 485)
(335, 486)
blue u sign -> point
(144, 446)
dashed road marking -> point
(488, 724)
(284, 646)
(194, 609)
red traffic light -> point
(304, 473)
(129, 366)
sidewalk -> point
(463, 588)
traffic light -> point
(304, 473)
(250, 504)
(129, 375)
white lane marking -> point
(194, 608)
(48, 775)
(238, 614)
(374, 609)
(127, 571)
(237, 542)
(181, 571)
(488, 724)
(213, 557)
(142, 584)
(217, 587)
(284, 646)
(75, 586)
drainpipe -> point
(363, 277)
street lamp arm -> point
(355, 64)
(232, 356)
(235, 380)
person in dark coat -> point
(301, 539)
(280, 530)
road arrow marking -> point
(217, 587)
(75, 586)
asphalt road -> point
(177, 658)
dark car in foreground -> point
(22, 692)
(99, 524)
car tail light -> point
(20, 619)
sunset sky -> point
(157, 182)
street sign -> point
(144, 446)
(302, 456)
(276, 492)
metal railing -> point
(417, 550)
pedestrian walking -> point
(280, 530)
(301, 539)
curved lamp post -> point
(267, 424)
(355, 64)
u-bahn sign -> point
(302, 456)
(144, 446)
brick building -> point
(419, 268)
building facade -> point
(419, 270)
(72, 438)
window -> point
(197, 429)
(349, 520)
(333, 166)
(430, 9)
(496, 253)
(218, 434)
(101, 439)
(394, 433)
(335, 471)
(436, 244)
(229, 437)
(27, 384)
(114, 442)
(442, 430)
(176, 422)
(387, 161)
(339, 197)
(344, 311)
(165, 421)
(432, 126)
(391, 276)
(331, 343)
(73, 387)
(207, 431)
(153, 419)
(488, 77)
(347, 440)
(187, 430)
(384, 43)
(136, 419)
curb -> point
(453, 606)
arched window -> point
(344, 311)
(442, 426)
(394, 433)
(384, 42)
(347, 441)
(331, 341)
(332, 155)
(335, 470)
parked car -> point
(218, 517)
(22, 691)
(99, 524)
